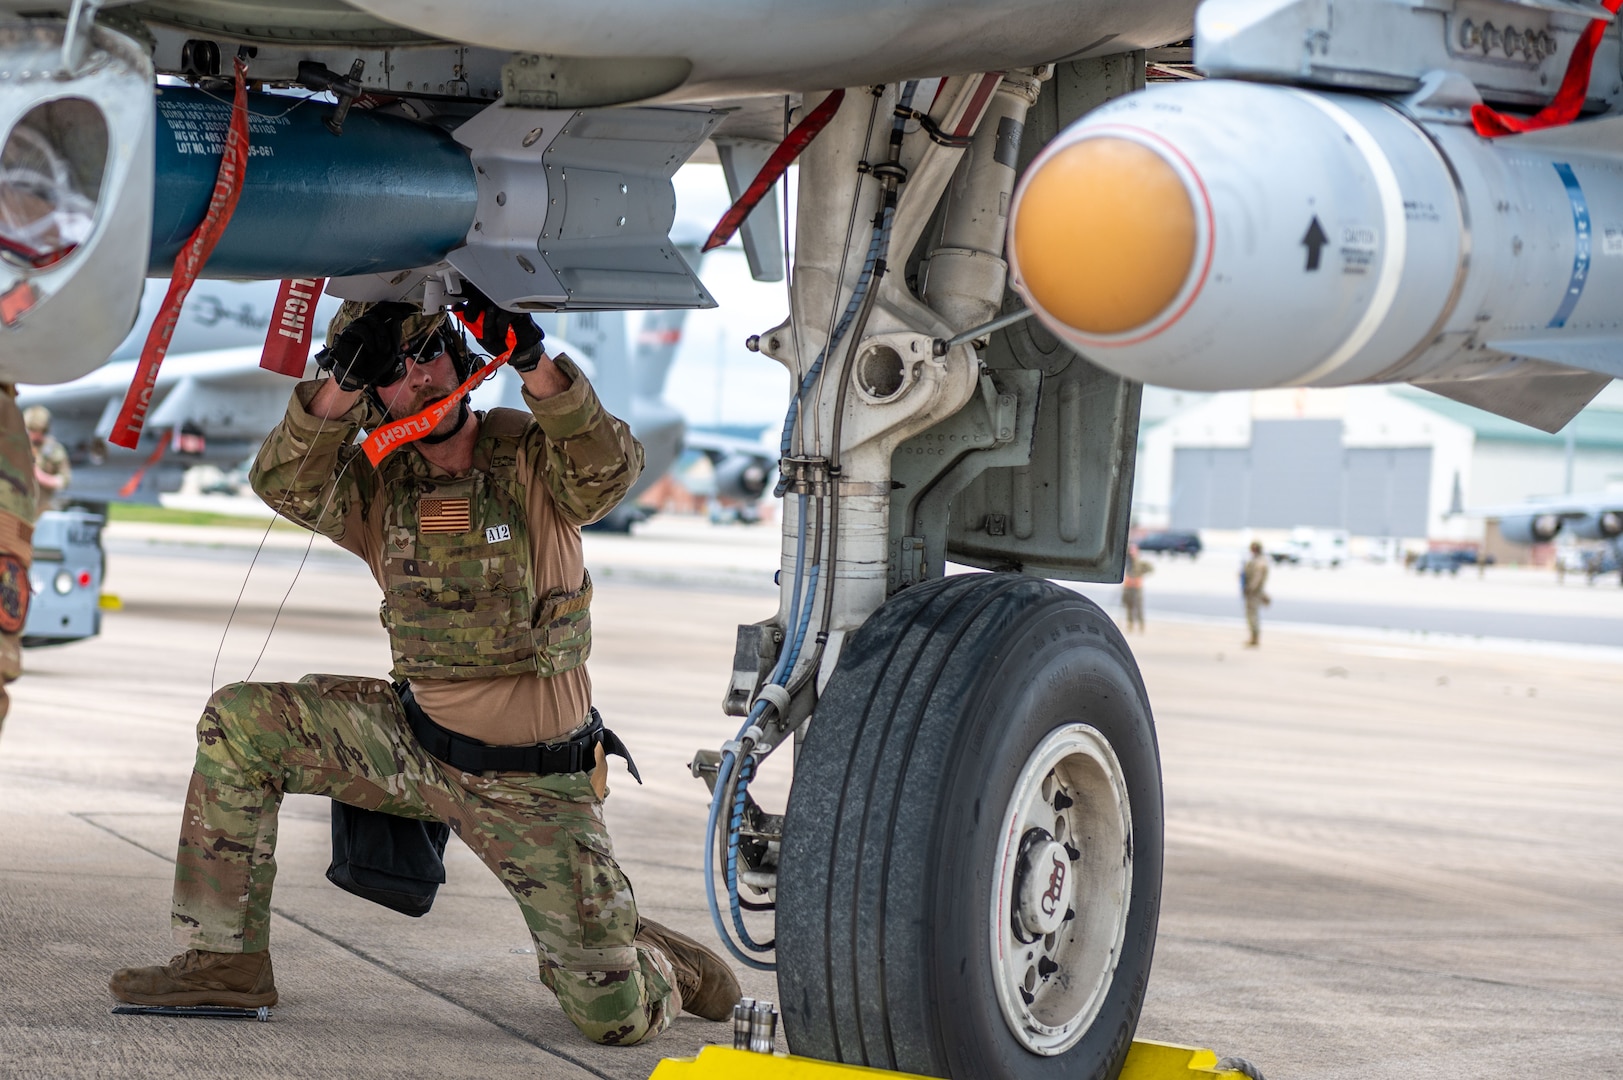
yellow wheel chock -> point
(1145, 1061)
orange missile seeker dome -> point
(1105, 236)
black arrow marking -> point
(1314, 241)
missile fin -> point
(1544, 399)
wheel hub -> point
(1044, 886)
(1065, 871)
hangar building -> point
(1388, 462)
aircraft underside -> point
(966, 876)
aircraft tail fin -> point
(660, 336)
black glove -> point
(490, 324)
(367, 352)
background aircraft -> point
(1597, 516)
(213, 403)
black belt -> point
(578, 754)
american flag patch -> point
(443, 515)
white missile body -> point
(1335, 239)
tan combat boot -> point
(196, 977)
(704, 980)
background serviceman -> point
(1132, 587)
(51, 469)
(473, 532)
(19, 501)
(1254, 587)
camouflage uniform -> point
(1255, 589)
(453, 608)
(1132, 590)
(19, 497)
(52, 460)
(347, 738)
(49, 456)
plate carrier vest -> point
(462, 604)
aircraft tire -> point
(920, 815)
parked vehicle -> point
(65, 578)
(1439, 562)
(1171, 543)
(1314, 547)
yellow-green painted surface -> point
(1145, 1061)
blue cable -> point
(745, 772)
(723, 773)
(877, 247)
(880, 241)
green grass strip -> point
(163, 515)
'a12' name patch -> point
(497, 533)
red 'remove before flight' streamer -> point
(397, 433)
(188, 264)
(287, 342)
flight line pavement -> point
(1387, 856)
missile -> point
(1226, 235)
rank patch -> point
(444, 515)
(14, 593)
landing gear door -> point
(76, 169)
(1066, 513)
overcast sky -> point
(715, 380)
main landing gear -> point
(971, 867)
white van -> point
(1312, 547)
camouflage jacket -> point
(1254, 580)
(482, 573)
(19, 493)
(52, 460)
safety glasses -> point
(424, 351)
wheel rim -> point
(1065, 871)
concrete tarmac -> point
(1386, 857)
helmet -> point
(37, 418)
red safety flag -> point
(287, 342)
(135, 481)
(188, 264)
(1569, 98)
(776, 165)
(397, 433)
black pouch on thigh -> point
(394, 861)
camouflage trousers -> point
(1132, 603)
(347, 738)
(18, 495)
